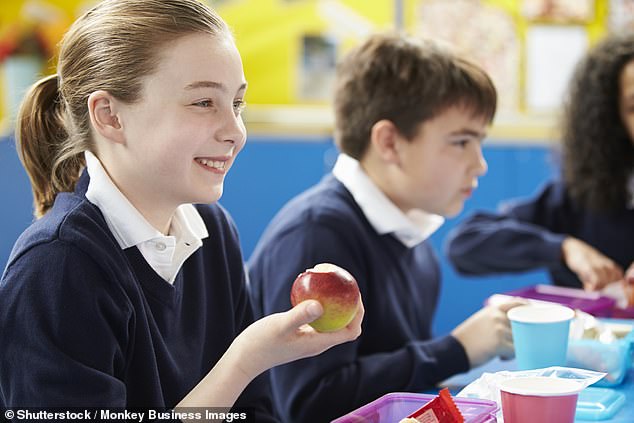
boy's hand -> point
(487, 334)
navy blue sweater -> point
(399, 287)
(84, 323)
(527, 235)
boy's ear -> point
(102, 107)
(384, 138)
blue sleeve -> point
(345, 377)
(64, 331)
(256, 399)
(524, 235)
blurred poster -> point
(317, 69)
(484, 33)
(559, 10)
(552, 53)
(621, 15)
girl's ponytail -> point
(43, 144)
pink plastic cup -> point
(539, 399)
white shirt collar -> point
(410, 229)
(164, 253)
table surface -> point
(625, 414)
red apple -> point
(337, 291)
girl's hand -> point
(594, 269)
(283, 337)
(273, 340)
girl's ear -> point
(102, 107)
(384, 139)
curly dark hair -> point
(597, 151)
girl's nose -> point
(233, 131)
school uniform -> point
(527, 234)
(346, 220)
(99, 309)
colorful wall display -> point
(290, 47)
(621, 15)
(486, 33)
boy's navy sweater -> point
(527, 234)
(84, 323)
(399, 287)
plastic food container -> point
(614, 358)
(393, 407)
(598, 404)
(623, 313)
(590, 302)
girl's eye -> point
(239, 105)
(204, 103)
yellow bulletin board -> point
(274, 54)
(290, 47)
(270, 35)
(507, 38)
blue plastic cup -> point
(540, 335)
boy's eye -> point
(461, 143)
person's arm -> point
(347, 376)
(63, 331)
(523, 236)
(500, 243)
(273, 340)
(528, 235)
(261, 344)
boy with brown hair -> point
(410, 119)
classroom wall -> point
(271, 35)
(276, 166)
(271, 170)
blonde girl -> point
(124, 293)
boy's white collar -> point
(410, 229)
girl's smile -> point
(217, 164)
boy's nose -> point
(481, 164)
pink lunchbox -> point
(393, 407)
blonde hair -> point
(112, 47)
